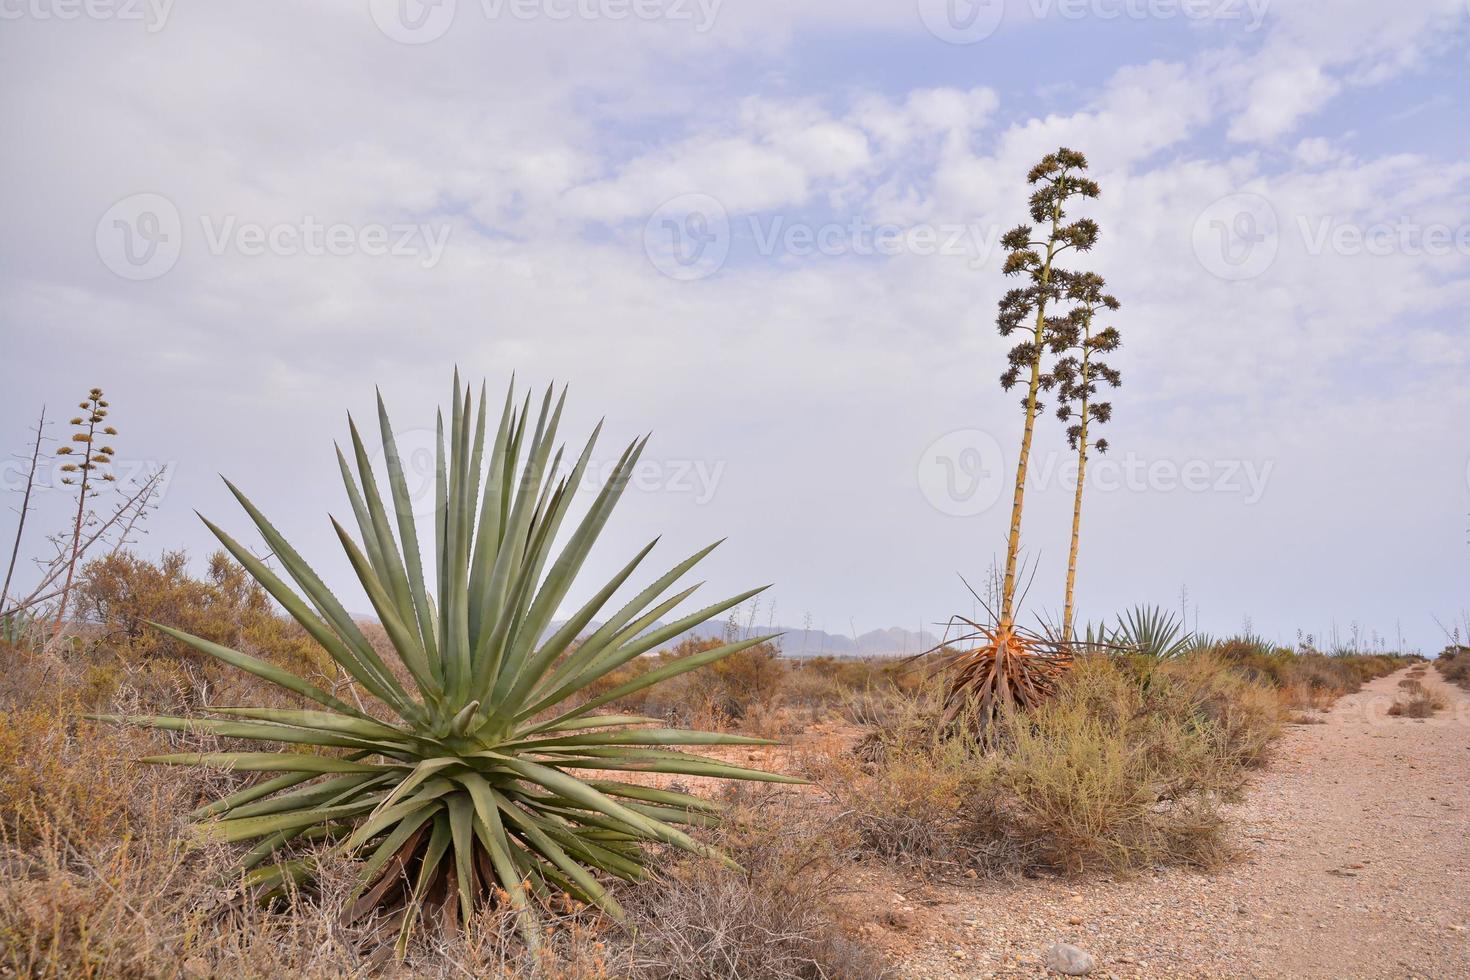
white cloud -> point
(1307, 58)
(818, 382)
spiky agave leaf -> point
(1149, 631)
(478, 770)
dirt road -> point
(1356, 863)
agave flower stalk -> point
(1076, 375)
(81, 474)
(477, 769)
(1010, 666)
(1057, 178)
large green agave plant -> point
(476, 769)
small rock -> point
(1075, 920)
(1067, 959)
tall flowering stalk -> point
(1007, 666)
(1076, 375)
(1057, 178)
(86, 464)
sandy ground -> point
(1355, 862)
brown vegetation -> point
(1454, 666)
(1415, 701)
(1129, 766)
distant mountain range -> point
(794, 641)
(798, 642)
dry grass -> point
(100, 875)
(773, 918)
(1455, 667)
(1104, 776)
(1416, 701)
(1128, 766)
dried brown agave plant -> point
(1001, 666)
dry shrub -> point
(897, 720)
(772, 919)
(1107, 775)
(1305, 679)
(908, 796)
(718, 695)
(1420, 703)
(1454, 666)
(71, 779)
(100, 877)
(121, 594)
(828, 684)
(1205, 694)
(757, 690)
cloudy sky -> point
(767, 231)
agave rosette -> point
(476, 769)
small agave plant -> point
(476, 769)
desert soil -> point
(1354, 861)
